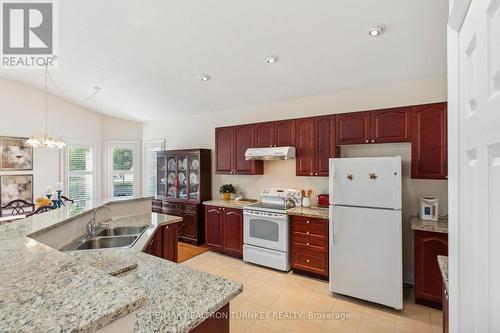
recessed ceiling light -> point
(375, 31)
(272, 59)
(204, 77)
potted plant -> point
(226, 191)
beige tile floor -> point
(267, 293)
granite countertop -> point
(316, 212)
(44, 289)
(230, 203)
(440, 225)
(443, 267)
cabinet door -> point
(170, 235)
(284, 133)
(429, 158)
(213, 227)
(223, 150)
(233, 231)
(428, 280)
(244, 139)
(391, 125)
(264, 134)
(352, 128)
(304, 146)
(323, 142)
(155, 244)
(190, 225)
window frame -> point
(158, 143)
(134, 145)
(74, 143)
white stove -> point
(266, 229)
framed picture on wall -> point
(14, 187)
(15, 155)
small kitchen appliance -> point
(266, 226)
(323, 200)
(429, 208)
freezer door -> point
(366, 254)
(366, 182)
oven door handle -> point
(266, 214)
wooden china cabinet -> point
(183, 183)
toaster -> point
(323, 200)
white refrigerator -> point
(366, 229)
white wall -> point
(21, 114)
(198, 132)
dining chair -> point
(40, 210)
(67, 201)
(18, 207)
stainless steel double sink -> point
(107, 237)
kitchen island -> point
(44, 289)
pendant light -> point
(46, 140)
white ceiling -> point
(147, 55)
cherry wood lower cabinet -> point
(218, 323)
(224, 230)
(446, 318)
(309, 246)
(164, 242)
(191, 229)
(428, 280)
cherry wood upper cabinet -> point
(244, 139)
(264, 134)
(284, 133)
(213, 227)
(324, 144)
(231, 144)
(304, 147)
(429, 141)
(353, 128)
(275, 134)
(390, 125)
(233, 231)
(224, 150)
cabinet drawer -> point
(310, 229)
(312, 242)
(310, 260)
(190, 209)
(309, 221)
(173, 206)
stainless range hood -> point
(272, 153)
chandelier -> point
(46, 140)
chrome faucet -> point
(91, 225)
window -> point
(80, 174)
(123, 165)
(150, 149)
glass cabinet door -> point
(194, 177)
(161, 179)
(182, 170)
(171, 177)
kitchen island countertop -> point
(44, 289)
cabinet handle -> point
(311, 173)
(307, 260)
(308, 233)
(307, 244)
(316, 174)
(307, 222)
(366, 141)
(166, 227)
(373, 140)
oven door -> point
(264, 229)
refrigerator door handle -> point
(332, 223)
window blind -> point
(150, 161)
(80, 176)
